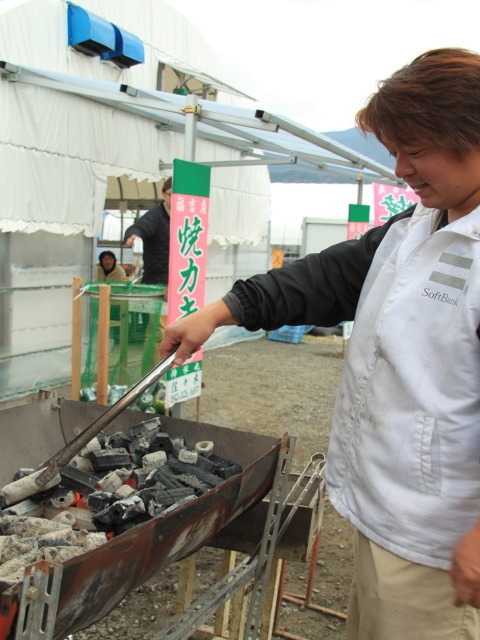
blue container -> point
(287, 333)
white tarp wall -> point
(56, 152)
(59, 148)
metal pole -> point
(191, 115)
(191, 109)
(359, 179)
(123, 206)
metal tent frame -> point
(261, 137)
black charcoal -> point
(78, 480)
(109, 459)
(164, 477)
(138, 448)
(139, 478)
(124, 526)
(208, 465)
(143, 427)
(102, 438)
(189, 480)
(226, 468)
(118, 440)
(179, 504)
(22, 473)
(161, 442)
(103, 520)
(127, 509)
(185, 468)
(165, 497)
(99, 500)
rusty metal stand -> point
(39, 600)
(300, 599)
(253, 570)
(249, 586)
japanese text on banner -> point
(389, 200)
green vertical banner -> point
(358, 220)
(187, 266)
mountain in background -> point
(368, 146)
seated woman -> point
(108, 269)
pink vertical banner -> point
(188, 256)
(358, 221)
(389, 200)
(356, 230)
(187, 267)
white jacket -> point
(404, 455)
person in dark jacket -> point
(154, 230)
(404, 452)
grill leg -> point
(39, 601)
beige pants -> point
(393, 599)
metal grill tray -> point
(95, 582)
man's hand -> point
(465, 571)
(130, 240)
(188, 334)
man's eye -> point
(393, 154)
(412, 154)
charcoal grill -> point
(93, 583)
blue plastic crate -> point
(287, 333)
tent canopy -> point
(261, 137)
(79, 134)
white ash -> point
(30, 539)
(79, 462)
(14, 568)
(25, 526)
(62, 538)
(59, 554)
(65, 517)
(13, 546)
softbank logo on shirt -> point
(439, 296)
(451, 272)
(454, 277)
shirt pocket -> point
(448, 460)
(427, 467)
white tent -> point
(61, 149)
(103, 122)
(63, 156)
(79, 134)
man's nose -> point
(403, 166)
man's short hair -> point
(167, 185)
(436, 97)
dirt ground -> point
(267, 387)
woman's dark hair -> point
(435, 97)
(112, 255)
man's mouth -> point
(418, 188)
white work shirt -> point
(404, 456)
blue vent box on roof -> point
(128, 49)
(88, 33)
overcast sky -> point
(317, 61)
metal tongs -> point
(54, 465)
